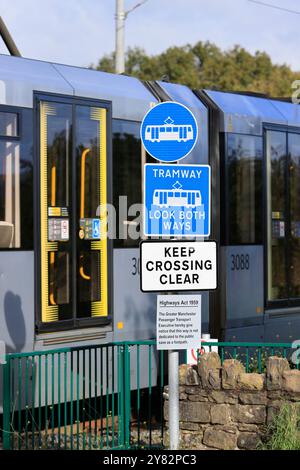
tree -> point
(205, 65)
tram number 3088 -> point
(240, 262)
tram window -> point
(294, 190)
(87, 149)
(283, 216)
(16, 181)
(276, 155)
(89, 264)
(58, 143)
(59, 281)
(8, 124)
(126, 175)
(244, 189)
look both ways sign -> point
(177, 200)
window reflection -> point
(294, 172)
(277, 220)
(87, 150)
(58, 144)
(89, 278)
(126, 174)
(59, 279)
(16, 181)
(244, 189)
(8, 124)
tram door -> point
(73, 188)
(283, 213)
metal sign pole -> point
(173, 376)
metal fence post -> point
(127, 405)
(6, 404)
(120, 368)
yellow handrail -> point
(53, 186)
(82, 183)
(82, 273)
(51, 296)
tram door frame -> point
(289, 301)
(75, 322)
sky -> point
(79, 32)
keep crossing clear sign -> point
(175, 266)
(177, 200)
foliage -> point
(205, 65)
(283, 433)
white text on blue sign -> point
(177, 200)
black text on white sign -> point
(178, 266)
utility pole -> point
(121, 16)
(120, 26)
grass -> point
(284, 432)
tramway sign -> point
(176, 266)
(169, 131)
(177, 200)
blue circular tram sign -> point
(169, 131)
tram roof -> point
(246, 113)
(19, 77)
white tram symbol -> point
(169, 132)
(177, 197)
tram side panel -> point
(244, 274)
(259, 168)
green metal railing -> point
(93, 397)
(253, 355)
(106, 396)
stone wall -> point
(223, 407)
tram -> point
(177, 198)
(170, 132)
(70, 143)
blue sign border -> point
(142, 125)
(182, 235)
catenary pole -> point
(120, 25)
(121, 16)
